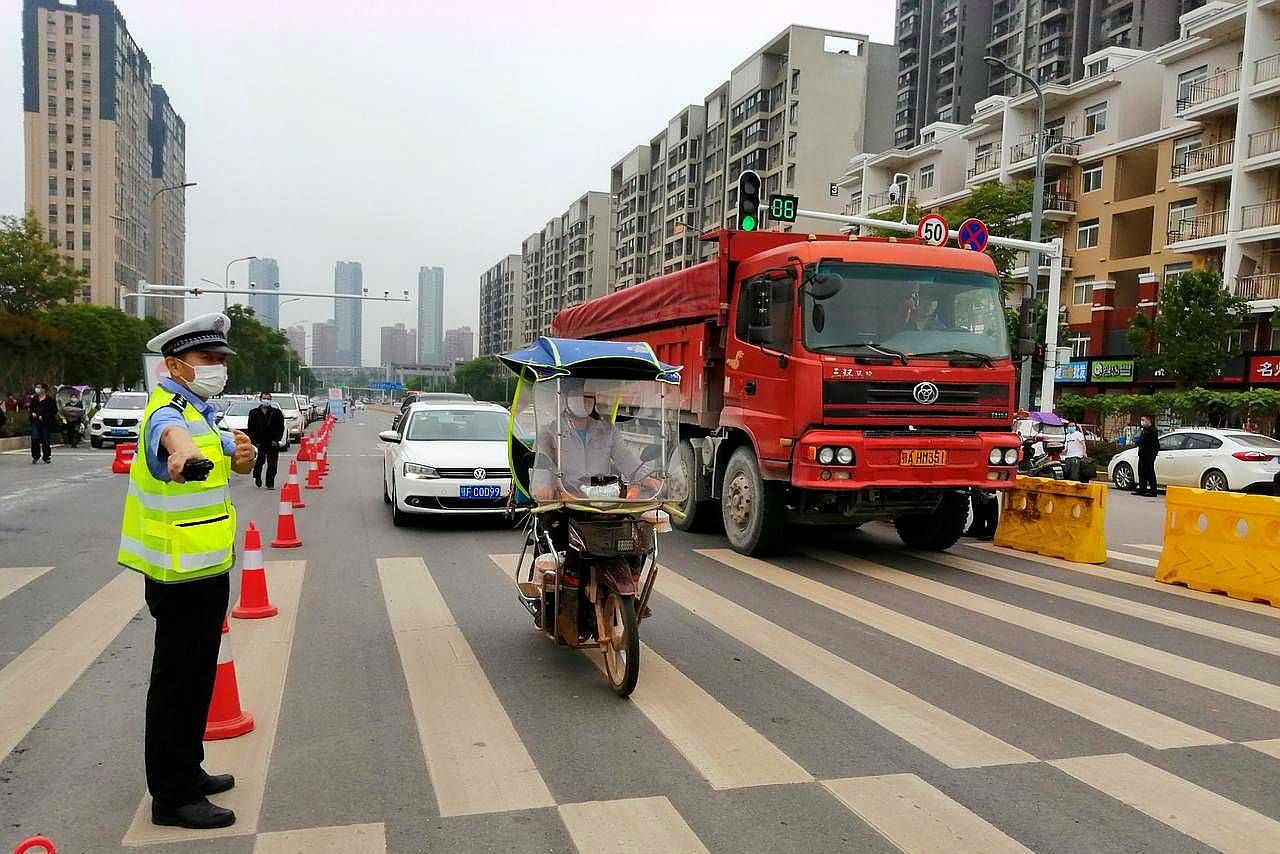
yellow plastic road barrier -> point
(1058, 518)
(1222, 542)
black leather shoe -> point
(258, 484)
(200, 815)
(214, 784)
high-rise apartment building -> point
(399, 345)
(941, 75)
(431, 315)
(565, 263)
(348, 314)
(459, 345)
(101, 143)
(297, 336)
(502, 306)
(264, 276)
(324, 343)
(531, 283)
(629, 188)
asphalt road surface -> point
(846, 696)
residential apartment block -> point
(941, 45)
(297, 336)
(565, 263)
(264, 276)
(502, 306)
(399, 346)
(459, 345)
(101, 141)
(324, 344)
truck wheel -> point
(695, 506)
(751, 507)
(936, 531)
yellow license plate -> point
(919, 457)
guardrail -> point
(1056, 518)
(1222, 542)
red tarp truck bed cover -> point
(685, 296)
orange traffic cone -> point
(324, 462)
(304, 449)
(226, 718)
(286, 532)
(254, 601)
(291, 492)
(313, 477)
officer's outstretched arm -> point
(181, 447)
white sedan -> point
(1209, 459)
(446, 458)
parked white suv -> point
(117, 420)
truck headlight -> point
(826, 456)
(844, 456)
(996, 457)
(1010, 456)
(419, 472)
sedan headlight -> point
(419, 472)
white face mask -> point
(580, 406)
(209, 380)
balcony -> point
(878, 201)
(1199, 227)
(1210, 89)
(1264, 142)
(1021, 260)
(1267, 68)
(983, 164)
(1060, 204)
(1051, 8)
(1206, 157)
(1262, 215)
(1261, 286)
(1026, 149)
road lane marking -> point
(947, 738)
(262, 649)
(1156, 660)
(349, 839)
(475, 757)
(1145, 547)
(1205, 816)
(1135, 580)
(917, 818)
(14, 578)
(1270, 746)
(1141, 560)
(630, 826)
(37, 678)
(723, 748)
(1151, 613)
(1106, 710)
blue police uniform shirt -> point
(166, 417)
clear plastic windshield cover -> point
(605, 442)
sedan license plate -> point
(922, 457)
(480, 492)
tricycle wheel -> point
(619, 635)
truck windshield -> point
(915, 311)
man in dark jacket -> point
(44, 420)
(266, 431)
(1148, 446)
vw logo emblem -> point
(926, 393)
(480, 474)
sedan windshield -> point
(129, 400)
(916, 311)
(242, 408)
(456, 425)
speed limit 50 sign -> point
(932, 230)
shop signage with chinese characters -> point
(1264, 369)
(1111, 371)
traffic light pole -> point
(1050, 249)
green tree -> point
(484, 379)
(103, 346)
(33, 274)
(28, 351)
(263, 359)
(1194, 318)
(1003, 207)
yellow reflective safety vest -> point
(179, 531)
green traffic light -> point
(748, 222)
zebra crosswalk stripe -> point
(934, 731)
(917, 818)
(630, 826)
(1150, 658)
(724, 749)
(1205, 816)
(348, 839)
(14, 578)
(1092, 704)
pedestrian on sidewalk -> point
(266, 431)
(1148, 444)
(1073, 453)
(179, 531)
(44, 420)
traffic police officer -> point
(179, 531)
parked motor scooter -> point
(1036, 462)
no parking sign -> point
(972, 235)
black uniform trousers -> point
(269, 454)
(1146, 475)
(188, 617)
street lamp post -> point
(288, 361)
(1037, 212)
(226, 278)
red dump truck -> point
(828, 380)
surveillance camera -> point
(894, 191)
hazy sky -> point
(414, 133)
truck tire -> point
(752, 507)
(936, 531)
(695, 507)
